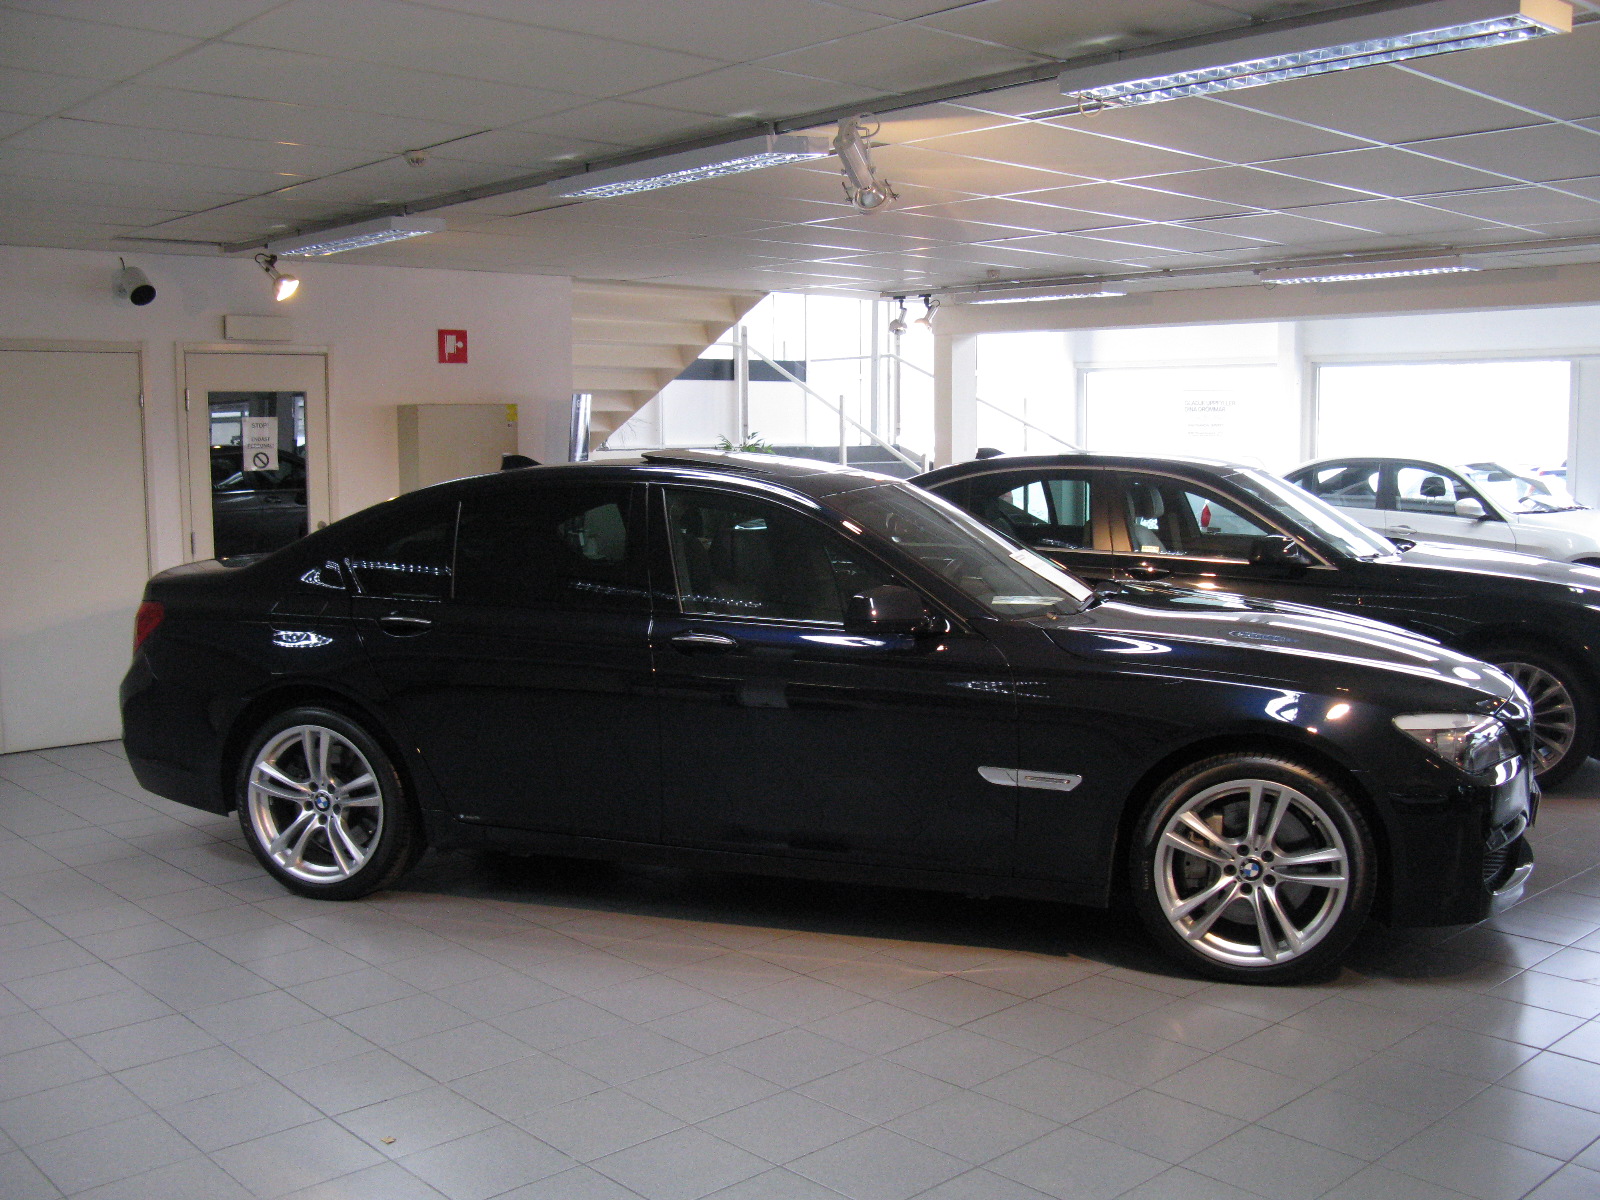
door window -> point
(738, 556)
(1166, 516)
(562, 547)
(1347, 485)
(258, 470)
(406, 557)
(1054, 513)
(1429, 490)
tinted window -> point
(1427, 490)
(1054, 513)
(1166, 516)
(406, 557)
(737, 556)
(572, 547)
(1348, 485)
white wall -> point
(378, 324)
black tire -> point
(1565, 719)
(1236, 916)
(323, 808)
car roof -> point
(1085, 458)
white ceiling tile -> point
(830, 241)
(230, 70)
(91, 169)
(957, 173)
(1175, 237)
(623, 123)
(1209, 127)
(64, 135)
(265, 120)
(1287, 229)
(931, 121)
(1520, 205)
(1589, 187)
(1024, 100)
(1536, 154)
(1021, 214)
(1070, 151)
(520, 151)
(1252, 187)
(43, 93)
(40, 42)
(1387, 171)
(912, 224)
(1559, 76)
(1132, 202)
(905, 10)
(734, 30)
(426, 39)
(1392, 216)
(128, 216)
(900, 58)
(393, 181)
(1060, 30)
(1065, 245)
(755, 92)
(12, 122)
(167, 16)
(1385, 104)
(158, 192)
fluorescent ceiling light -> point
(1345, 272)
(1091, 293)
(1316, 48)
(355, 237)
(692, 166)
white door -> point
(258, 457)
(74, 551)
(1425, 498)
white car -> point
(1478, 504)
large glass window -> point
(1513, 413)
(1238, 414)
(739, 556)
(553, 546)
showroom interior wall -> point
(378, 325)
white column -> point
(1583, 448)
(955, 397)
(1296, 389)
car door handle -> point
(1407, 528)
(689, 643)
(404, 623)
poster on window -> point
(259, 440)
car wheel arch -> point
(1499, 637)
(265, 706)
(1268, 742)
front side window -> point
(745, 557)
(1429, 490)
(1053, 513)
(406, 557)
(1167, 516)
(1347, 485)
(552, 546)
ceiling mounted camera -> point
(134, 286)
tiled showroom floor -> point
(174, 1027)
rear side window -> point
(552, 546)
(1052, 513)
(1348, 485)
(406, 557)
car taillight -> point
(146, 620)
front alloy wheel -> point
(1253, 868)
(1555, 715)
(322, 807)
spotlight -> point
(134, 286)
(929, 307)
(862, 186)
(898, 325)
(283, 286)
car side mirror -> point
(1276, 552)
(1471, 508)
(889, 609)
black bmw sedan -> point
(757, 664)
(1216, 526)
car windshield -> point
(1004, 576)
(1305, 510)
(1520, 492)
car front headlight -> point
(1469, 741)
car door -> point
(783, 733)
(513, 640)
(1353, 485)
(1065, 513)
(1425, 509)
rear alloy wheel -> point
(1253, 869)
(323, 808)
(1563, 709)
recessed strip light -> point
(1396, 35)
(355, 237)
(692, 166)
(1032, 297)
(1347, 272)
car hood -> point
(1477, 560)
(1242, 636)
